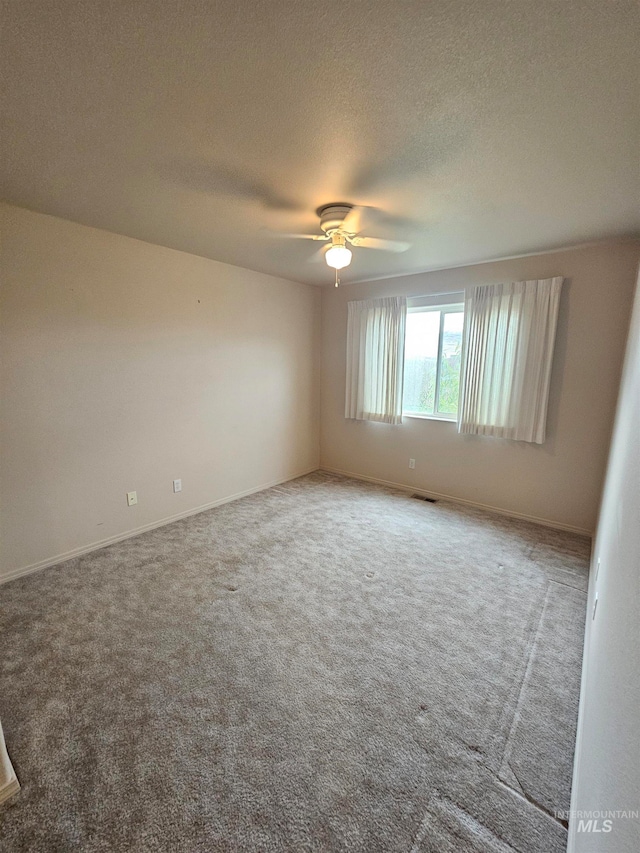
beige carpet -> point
(324, 666)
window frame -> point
(421, 306)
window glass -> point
(450, 358)
(420, 361)
(433, 347)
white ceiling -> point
(480, 128)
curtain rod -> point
(418, 295)
(429, 295)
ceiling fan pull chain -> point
(337, 278)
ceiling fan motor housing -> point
(332, 216)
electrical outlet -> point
(595, 606)
(132, 498)
(177, 485)
(597, 568)
(412, 463)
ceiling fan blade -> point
(385, 245)
(352, 221)
(322, 237)
(283, 235)
(220, 179)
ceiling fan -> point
(340, 224)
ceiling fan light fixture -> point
(338, 257)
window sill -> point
(429, 417)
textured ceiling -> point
(477, 129)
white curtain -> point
(375, 359)
(509, 334)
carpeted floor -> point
(323, 666)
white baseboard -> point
(129, 534)
(12, 787)
(10, 784)
(546, 522)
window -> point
(432, 356)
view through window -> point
(432, 356)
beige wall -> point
(126, 365)
(607, 767)
(559, 481)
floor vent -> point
(422, 498)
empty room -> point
(320, 405)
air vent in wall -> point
(422, 498)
